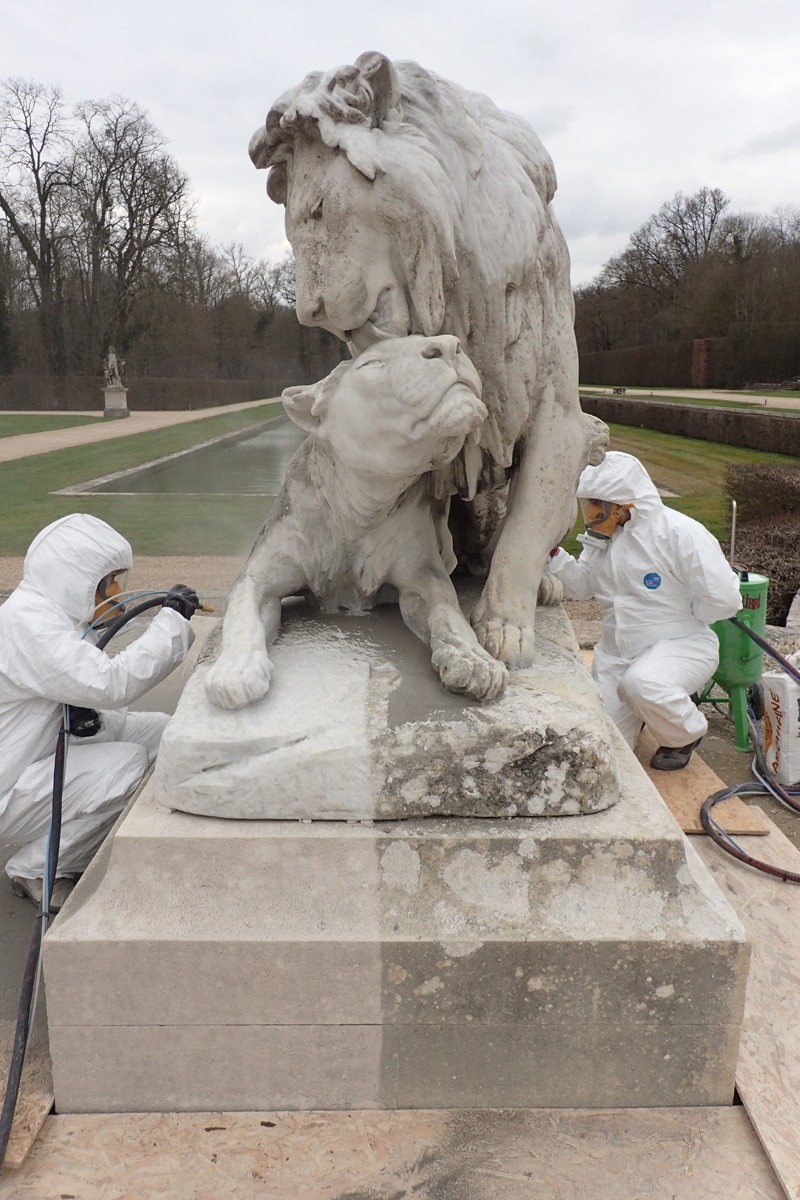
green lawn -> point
(693, 469)
(159, 524)
(153, 524)
(12, 424)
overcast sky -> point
(634, 99)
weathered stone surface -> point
(249, 964)
(357, 725)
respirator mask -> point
(600, 519)
(106, 598)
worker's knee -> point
(134, 760)
(638, 687)
(125, 766)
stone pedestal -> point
(116, 402)
(584, 961)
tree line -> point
(99, 246)
(695, 269)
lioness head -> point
(403, 407)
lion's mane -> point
(465, 189)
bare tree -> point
(130, 205)
(33, 195)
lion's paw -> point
(507, 642)
(551, 590)
(470, 671)
(239, 680)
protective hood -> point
(67, 560)
(621, 478)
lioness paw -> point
(508, 643)
(551, 590)
(470, 671)
(236, 681)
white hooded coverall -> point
(45, 663)
(662, 580)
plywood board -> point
(768, 1071)
(35, 1098)
(684, 792)
(556, 1154)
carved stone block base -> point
(357, 725)
(213, 964)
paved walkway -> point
(26, 444)
(787, 403)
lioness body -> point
(355, 515)
(414, 206)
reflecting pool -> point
(253, 465)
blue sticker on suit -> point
(652, 580)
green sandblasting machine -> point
(740, 659)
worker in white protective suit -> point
(73, 570)
(661, 579)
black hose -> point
(22, 1029)
(765, 646)
(790, 797)
(27, 990)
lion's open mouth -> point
(383, 322)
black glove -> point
(83, 722)
(183, 599)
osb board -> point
(768, 1071)
(684, 792)
(35, 1097)
(662, 1154)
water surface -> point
(253, 465)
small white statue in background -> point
(355, 514)
(113, 368)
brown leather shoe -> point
(673, 758)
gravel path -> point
(211, 576)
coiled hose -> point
(766, 783)
(32, 960)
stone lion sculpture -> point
(416, 207)
(355, 514)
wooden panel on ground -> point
(684, 792)
(664, 1154)
(768, 1073)
(35, 1099)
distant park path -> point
(773, 402)
(26, 444)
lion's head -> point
(402, 408)
(347, 170)
(415, 206)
